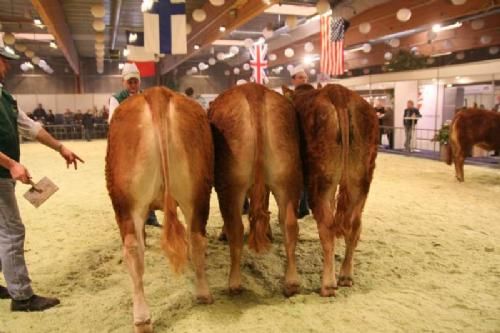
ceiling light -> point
(438, 27)
(120, 66)
(440, 54)
(125, 52)
(196, 46)
(132, 37)
(37, 21)
(53, 45)
(222, 28)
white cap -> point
(298, 69)
(130, 71)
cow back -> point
(476, 127)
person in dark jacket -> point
(410, 116)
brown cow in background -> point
(472, 127)
(256, 141)
(340, 130)
(160, 155)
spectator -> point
(496, 108)
(410, 121)
(380, 111)
(39, 114)
(51, 119)
(88, 125)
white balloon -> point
(248, 42)
(394, 42)
(199, 15)
(367, 48)
(458, 2)
(35, 60)
(477, 24)
(273, 57)
(289, 52)
(388, 56)
(241, 81)
(24, 67)
(493, 50)
(404, 14)
(236, 70)
(221, 56)
(201, 66)
(9, 38)
(216, 3)
(234, 50)
(98, 25)
(267, 33)
(99, 37)
(486, 39)
(309, 47)
(460, 56)
(246, 66)
(322, 6)
(97, 11)
(365, 27)
(212, 61)
(290, 68)
(194, 69)
(312, 72)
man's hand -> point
(19, 172)
(70, 157)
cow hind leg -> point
(323, 214)
(230, 203)
(133, 250)
(287, 206)
(459, 161)
(197, 247)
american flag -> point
(258, 62)
(332, 45)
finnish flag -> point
(165, 27)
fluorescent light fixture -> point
(438, 27)
(359, 48)
(229, 42)
(440, 54)
(282, 9)
(310, 58)
(35, 36)
(53, 45)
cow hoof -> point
(345, 281)
(327, 291)
(233, 291)
(222, 237)
(291, 289)
(205, 299)
(143, 327)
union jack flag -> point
(258, 62)
(332, 44)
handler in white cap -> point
(132, 84)
(299, 76)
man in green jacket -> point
(13, 122)
(132, 84)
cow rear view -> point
(340, 131)
(160, 156)
(256, 144)
(472, 127)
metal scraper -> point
(40, 192)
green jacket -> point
(9, 136)
(121, 95)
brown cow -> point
(256, 142)
(340, 130)
(472, 127)
(160, 155)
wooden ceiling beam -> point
(232, 15)
(384, 22)
(52, 15)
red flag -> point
(146, 68)
(332, 45)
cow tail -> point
(258, 239)
(341, 220)
(174, 241)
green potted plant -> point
(443, 137)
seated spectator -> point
(50, 119)
(39, 114)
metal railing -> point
(422, 138)
(77, 132)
